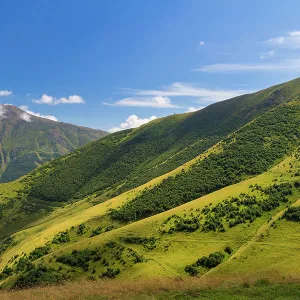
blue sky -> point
(96, 63)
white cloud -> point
(156, 101)
(267, 54)
(291, 65)
(179, 89)
(161, 98)
(291, 40)
(193, 109)
(132, 121)
(201, 43)
(26, 115)
(45, 99)
(5, 93)
(2, 111)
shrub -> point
(110, 273)
(61, 238)
(228, 249)
(39, 275)
(213, 260)
(292, 214)
(24, 264)
(81, 229)
(7, 271)
(96, 231)
(79, 258)
(39, 252)
(192, 270)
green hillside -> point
(26, 143)
(208, 196)
(130, 158)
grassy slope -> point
(126, 160)
(173, 252)
(250, 151)
(158, 289)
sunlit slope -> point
(157, 228)
(272, 252)
(44, 228)
(170, 253)
(128, 159)
(249, 151)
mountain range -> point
(27, 141)
(210, 194)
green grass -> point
(172, 252)
(66, 205)
(128, 159)
(260, 291)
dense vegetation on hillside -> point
(230, 212)
(24, 145)
(249, 151)
(130, 158)
(57, 238)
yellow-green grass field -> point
(259, 249)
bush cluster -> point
(292, 214)
(39, 275)
(79, 258)
(231, 211)
(61, 238)
(39, 252)
(208, 262)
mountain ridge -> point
(27, 141)
(101, 212)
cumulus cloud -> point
(290, 40)
(290, 65)
(132, 121)
(5, 93)
(26, 115)
(201, 43)
(45, 99)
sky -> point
(116, 64)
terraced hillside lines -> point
(131, 158)
(25, 145)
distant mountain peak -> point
(28, 140)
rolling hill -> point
(27, 141)
(211, 195)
